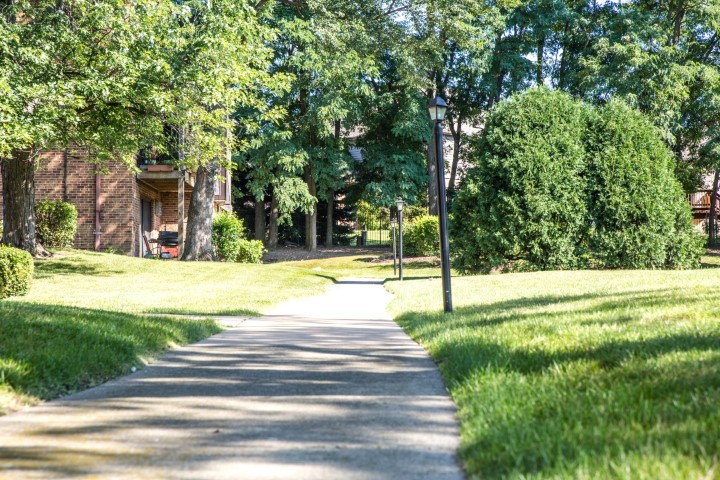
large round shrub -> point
(421, 236)
(55, 223)
(522, 207)
(562, 185)
(16, 271)
(639, 214)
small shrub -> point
(228, 237)
(16, 271)
(55, 223)
(421, 237)
(227, 233)
(251, 251)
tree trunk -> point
(260, 223)
(456, 133)
(274, 216)
(198, 242)
(330, 219)
(18, 175)
(712, 221)
(311, 218)
(678, 21)
(540, 57)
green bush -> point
(523, 205)
(421, 236)
(562, 185)
(227, 233)
(251, 251)
(228, 237)
(55, 223)
(639, 213)
(16, 271)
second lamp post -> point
(399, 204)
(437, 108)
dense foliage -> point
(56, 223)
(16, 271)
(523, 205)
(228, 239)
(421, 236)
(559, 185)
(639, 214)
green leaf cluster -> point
(561, 185)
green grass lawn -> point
(92, 316)
(591, 374)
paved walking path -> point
(322, 388)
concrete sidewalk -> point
(322, 388)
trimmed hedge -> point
(55, 223)
(16, 271)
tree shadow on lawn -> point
(51, 350)
(602, 387)
(53, 267)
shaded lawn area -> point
(48, 350)
(593, 374)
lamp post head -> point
(393, 223)
(437, 108)
(399, 204)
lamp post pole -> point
(393, 224)
(399, 203)
(437, 108)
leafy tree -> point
(71, 73)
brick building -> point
(116, 207)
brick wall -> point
(118, 195)
(169, 217)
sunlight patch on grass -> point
(603, 374)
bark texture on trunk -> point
(311, 218)
(198, 241)
(260, 223)
(18, 175)
(330, 219)
(712, 227)
(274, 216)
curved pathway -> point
(322, 388)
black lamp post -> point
(437, 108)
(399, 204)
(393, 224)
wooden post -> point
(181, 213)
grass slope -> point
(600, 374)
(90, 317)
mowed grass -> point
(90, 317)
(366, 266)
(591, 374)
(136, 285)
